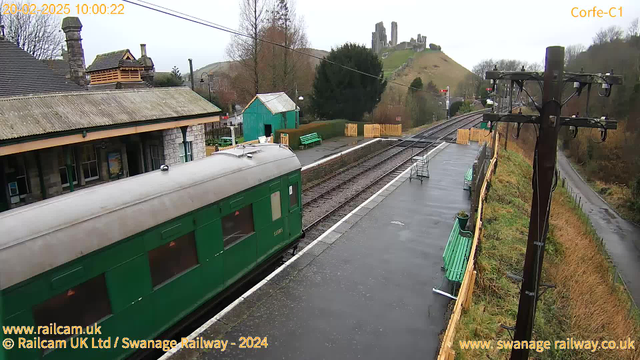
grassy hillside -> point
(432, 65)
(395, 59)
(586, 305)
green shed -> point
(267, 113)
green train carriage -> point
(137, 255)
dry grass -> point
(433, 66)
(598, 309)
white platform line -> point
(219, 315)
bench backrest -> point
(308, 137)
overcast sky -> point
(468, 31)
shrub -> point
(326, 129)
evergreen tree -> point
(339, 93)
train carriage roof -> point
(41, 236)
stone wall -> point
(173, 143)
(316, 173)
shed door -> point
(267, 130)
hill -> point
(227, 67)
(430, 65)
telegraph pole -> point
(544, 162)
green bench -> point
(310, 139)
(455, 257)
(468, 177)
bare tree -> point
(610, 34)
(286, 29)
(37, 34)
(633, 29)
(571, 53)
(246, 50)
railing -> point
(214, 131)
(372, 130)
(466, 288)
(391, 129)
(463, 137)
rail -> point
(377, 180)
(466, 288)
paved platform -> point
(328, 148)
(363, 289)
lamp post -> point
(300, 98)
(209, 79)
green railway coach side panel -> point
(256, 116)
(20, 319)
(177, 297)
(128, 282)
(45, 286)
(209, 247)
(239, 258)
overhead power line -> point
(199, 21)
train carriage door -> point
(294, 207)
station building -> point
(57, 134)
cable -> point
(193, 19)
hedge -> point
(326, 129)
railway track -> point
(328, 201)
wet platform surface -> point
(364, 289)
(327, 148)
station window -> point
(82, 305)
(89, 163)
(293, 195)
(64, 179)
(237, 225)
(173, 258)
(276, 208)
(189, 156)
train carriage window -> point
(276, 208)
(293, 195)
(237, 225)
(82, 306)
(173, 258)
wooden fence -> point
(480, 135)
(391, 129)
(284, 139)
(463, 137)
(372, 130)
(466, 288)
(351, 130)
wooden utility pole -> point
(544, 163)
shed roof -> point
(276, 102)
(22, 74)
(50, 113)
(112, 60)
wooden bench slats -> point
(456, 253)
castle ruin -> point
(379, 41)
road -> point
(621, 237)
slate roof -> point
(58, 66)
(112, 60)
(276, 102)
(25, 116)
(22, 74)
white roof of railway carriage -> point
(32, 115)
(277, 102)
(46, 234)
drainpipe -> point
(184, 142)
(43, 189)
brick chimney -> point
(149, 70)
(72, 27)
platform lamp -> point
(300, 99)
(209, 81)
